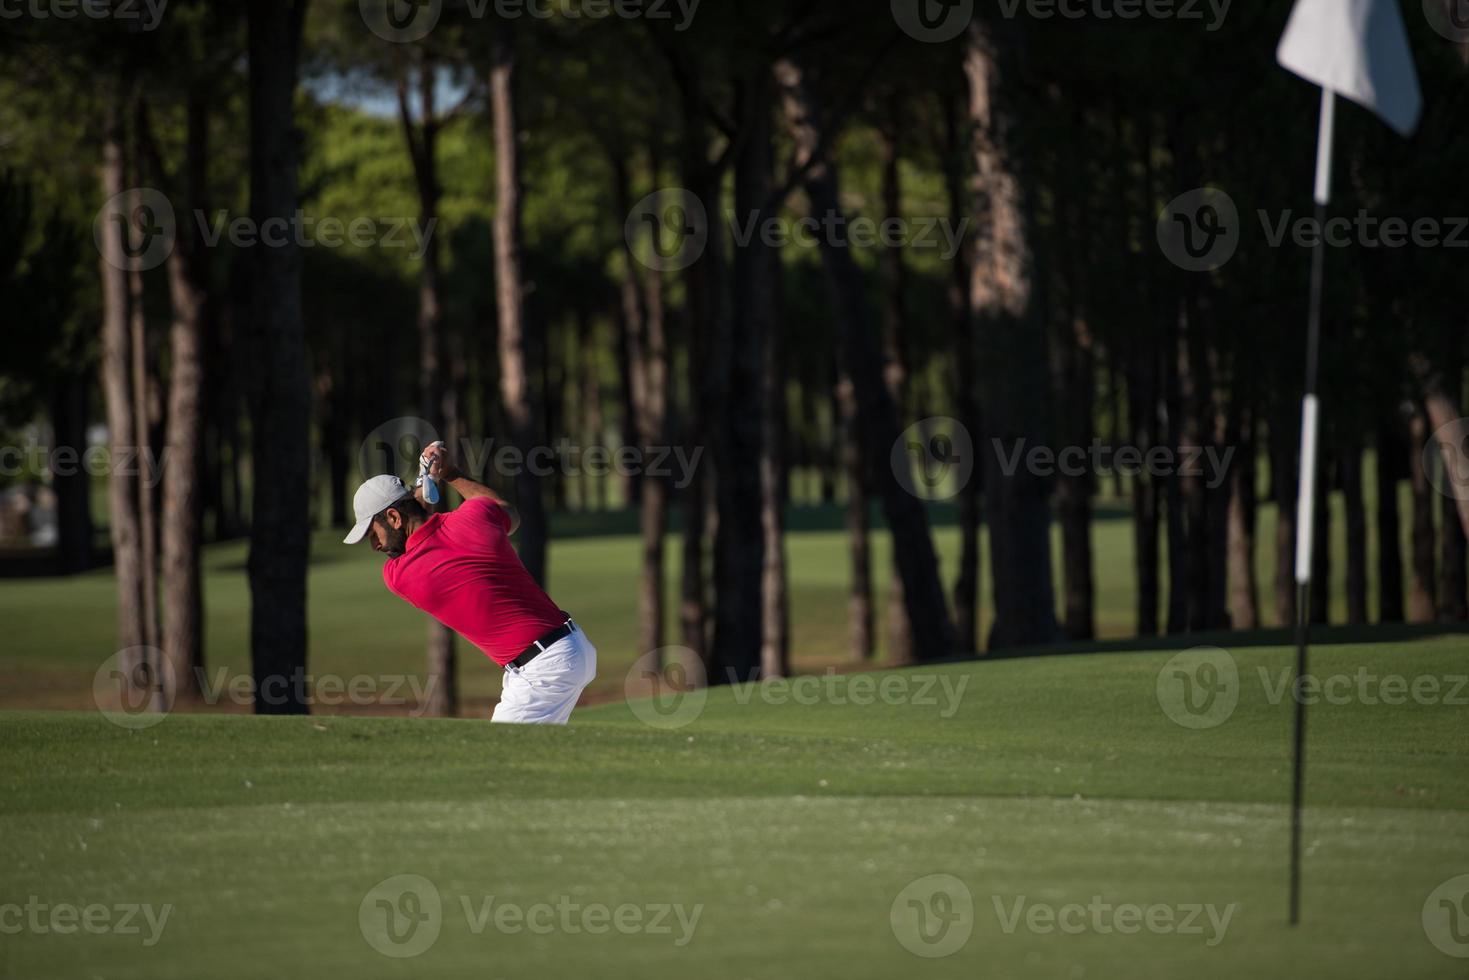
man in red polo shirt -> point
(460, 568)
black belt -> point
(539, 646)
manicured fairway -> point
(779, 829)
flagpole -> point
(1306, 498)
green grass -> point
(792, 827)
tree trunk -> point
(122, 489)
(280, 534)
(861, 357)
(143, 379)
(1356, 516)
(647, 349)
(73, 486)
(593, 488)
(966, 586)
(1389, 535)
(1283, 476)
(433, 386)
(1321, 548)
(704, 316)
(739, 542)
(1453, 603)
(183, 596)
(1443, 402)
(859, 603)
(1016, 503)
(895, 353)
(1423, 592)
(1073, 384)
(1244, 602)
(1143, 410)
(774, 609)
(515, 388)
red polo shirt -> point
(459, 568)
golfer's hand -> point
(441, 467)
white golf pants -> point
(544, 691)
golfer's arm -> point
(473, 490)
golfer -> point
(459, 568)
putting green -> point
(1075, 827)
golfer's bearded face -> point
(391, 541)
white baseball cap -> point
(372, 498)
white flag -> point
(1359, 49)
